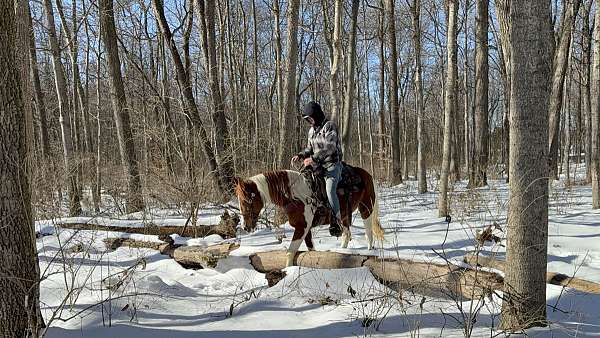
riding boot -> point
(335, 226)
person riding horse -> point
(324, 150)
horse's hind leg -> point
(367, 208)
(346, 236)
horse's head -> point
(250, 202)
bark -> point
(19, 288)
(393, 78)
(421, 168)
(595, 105)
(127, 147)
(449, 106)
(350, 84)
(289, 112)
(524, 304)
(561, 56)
(479, 177)
(71, 167)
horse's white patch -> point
(263, 187)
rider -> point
(324, 149)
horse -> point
(289, 191)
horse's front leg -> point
(301, 225)
(308, 241)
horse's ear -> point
(237, 181)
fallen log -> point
(226, 228)
(192, 256)
(275, 260)
(442, 280)
(434, 280)
(553, 278)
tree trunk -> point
(71, 167)
(289, 113)
(19, 288)
(393, 78)
(382, 140)
(586, 46)
(479, 177)
(127, 148)
(421, 168)
(558, 79)
(350, 84)
(40, 106)
(449, 106)
(595, 105)
(466, 103)
(503, 14)
(526, 254)
(222, 138)
(334, 82)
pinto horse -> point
(288, 190)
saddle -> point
(350, 182)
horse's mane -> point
(275, 186)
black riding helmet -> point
(313, 109)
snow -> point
(153, 296)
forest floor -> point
(153, 296)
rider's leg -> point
(332, 178)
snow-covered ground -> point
(153, 296)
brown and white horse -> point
(288, 190)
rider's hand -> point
(308, 162)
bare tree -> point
(449, 106)
(393, 78)
(336, 60)
(595, 105)
(19, 274)
(586, 46)
(190, 107)
(479, 176)
(127, 148)
(293, 13)
(561, 56)
(40, 105)
(350, 84)
(524, 302)
(71, 166)
(415, 10)
(222, 138)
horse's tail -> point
(375, 224)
